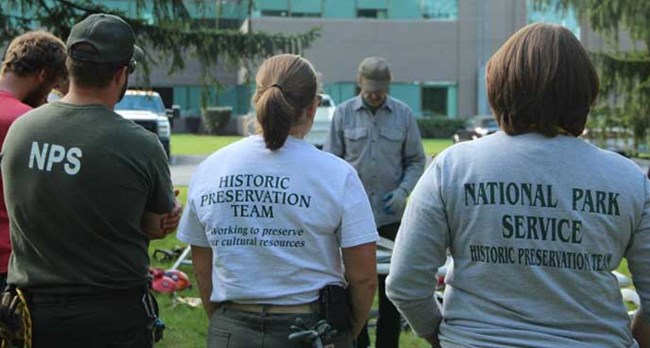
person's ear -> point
(121, 75)
(41, 76)
(311, 109)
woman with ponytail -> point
(273, 221)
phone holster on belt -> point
(335, 306)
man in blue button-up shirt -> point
(379, 137)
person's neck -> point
(299, 131)
(373, 109)
(90, 96)
(18, 86)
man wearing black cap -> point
(86, 190)
(379, 137)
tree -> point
(623, 73)
(169, 35)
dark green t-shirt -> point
(77, 181)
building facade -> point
(437, 48)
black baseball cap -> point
(111, 38)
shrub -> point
(215, 118)
(439, 127)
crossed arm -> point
(158, 226)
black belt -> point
(72, 294)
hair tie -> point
(278, 86)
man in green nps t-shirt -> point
(86, 190)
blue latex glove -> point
(394, 201)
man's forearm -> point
(641, 329)
(202, 263)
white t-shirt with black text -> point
(275, 220)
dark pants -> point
(3, 281)
(89, 320)
(389, 321)
(231, 328)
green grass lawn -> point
(433, 147)
(190, 144)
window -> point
(305, 14)
(211, 23)
(229, 23)
(434, 101)
(274, 13)
(439, 9)
(372, 13)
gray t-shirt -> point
(535, 226)
(77, 182)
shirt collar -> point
(358, 104)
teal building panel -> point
(124, 6)
(189, 98)
(237, 97)
(375, 4)
(339, 9)
(306, 6)
(230, 10)
(340, 91)
(273, 5)
(547, 14)
(409, 94)
(201, 9)
(234, 10)
(452, 101)
(439, 9)
(404, 10)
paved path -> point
(182, 167)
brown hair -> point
(541, 80)
(286, 86)
(33, 51)
(88, 74)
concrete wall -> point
(419, 51)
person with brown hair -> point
(33, 64)
(278, 227)
(534, 218)
(86, 191)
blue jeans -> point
(231, 328)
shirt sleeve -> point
(414, 158)
(161, 198)
(420, 249)
(638, 256)
(334, 142)
(190, 229)
(357, 222)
